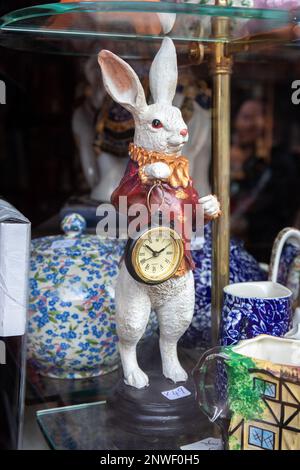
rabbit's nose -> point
(184, 132)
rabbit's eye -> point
(157, 124)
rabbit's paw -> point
(137, 378)
(175, 373)
(157, 170)
(211, 206)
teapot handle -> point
(278, 246)
(213, 410)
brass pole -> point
(221, 70)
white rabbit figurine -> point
(161, 132)
(104, 169)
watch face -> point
(157, 255)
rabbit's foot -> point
(176, 373)
(137, 378)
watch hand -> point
(147, 259)
(149, 248)
(163, 249)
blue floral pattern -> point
(73, 224)
(289, 253)
(72, 330)
(243, 267)
(244, 318)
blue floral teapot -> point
(72, 331)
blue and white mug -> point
(254, 308)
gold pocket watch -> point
(155, 256)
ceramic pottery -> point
(243, 268)
(254, 308)
(72, 330)
(284, 264)
(262, 402)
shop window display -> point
(69, 133)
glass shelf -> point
(132, 28)
(88, 427)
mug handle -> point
(213, 411)
(278, 246)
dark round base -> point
(147, 412)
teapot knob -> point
(73, 224)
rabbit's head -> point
(158, 126)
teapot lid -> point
(74, 242)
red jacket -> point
(170, 198)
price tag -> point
(209, 443)
(176, 393)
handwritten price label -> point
(176, 393)
(209, 443)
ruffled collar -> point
(178, 165)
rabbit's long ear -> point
(163, 73)
(121, 82)
(167, 21)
